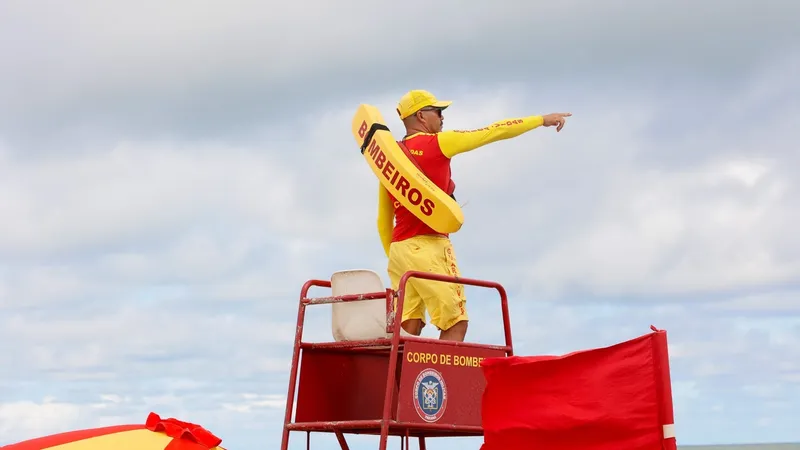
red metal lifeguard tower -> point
(383, 381)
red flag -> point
(610, 398)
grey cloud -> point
(133, 191)
(210, 71)
(132, 342)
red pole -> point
(298, 336)
(506, 318)
(664, 388)
(397, 325)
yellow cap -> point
(417, 99)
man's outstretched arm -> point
(453, 142)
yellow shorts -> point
(445, 302)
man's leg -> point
(401, 258)
(455, 333)
(413, 326)
(445, 301)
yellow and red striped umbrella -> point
(155, 434)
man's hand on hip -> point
(558, 119)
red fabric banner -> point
(610, 398)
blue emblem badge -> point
(430, 395)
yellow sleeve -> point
(385, 218)
(453, 142)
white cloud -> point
(780, 301)
(36, 418)
(250, 401)
(677, 233)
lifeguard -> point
(416, 201)
(408, 241)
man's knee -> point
(456, 332)
(412, 326)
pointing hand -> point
(556, 119)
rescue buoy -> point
(400, 176)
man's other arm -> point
(453, 142)
(385, 218)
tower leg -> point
(342, 441)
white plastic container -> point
(365, 319)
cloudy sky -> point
(171, 173)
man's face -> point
(432, 118)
